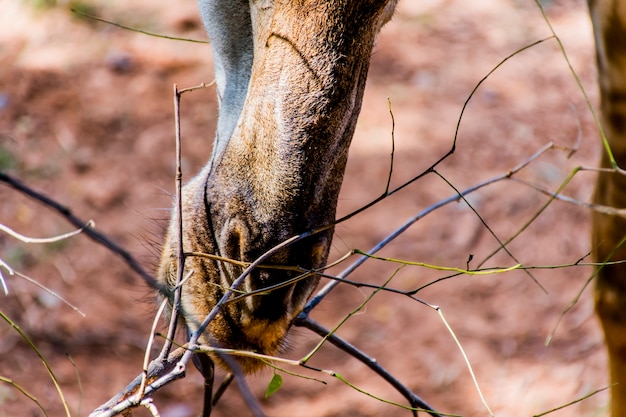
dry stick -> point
(49, 291)
(53, 239)
(27, 239)
(244, 389)
(79, 382)
(126, 399)
(146, 358)
(149, 405)
(222, 388)
(180, 256)
(93, 234)
(25, 393)
(3, 282)
(178, 213)
(613, 211)
(393, 146)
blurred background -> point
(86, 117)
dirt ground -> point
(86, 117)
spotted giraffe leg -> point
(609, 232)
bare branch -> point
(160, 373)
(93, 234)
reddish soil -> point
(86, 117)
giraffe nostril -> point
(235, 235)
(234, 243)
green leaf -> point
(274, 385)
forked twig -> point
(126, 399)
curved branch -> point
(93, 234)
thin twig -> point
(178, 221)
(26, 393)
(3, 282)
(49, 291)
(584, 397)
(53, 239)
(92, 233)
(244, 389)
(156, 35)
(466, 359)
(146, 359)
(46, 365)
(393, 145)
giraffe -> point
(290, 78)
(608, 231)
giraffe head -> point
(290, 78)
